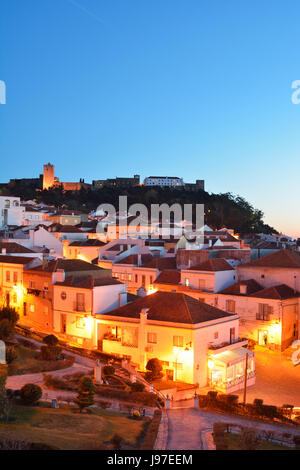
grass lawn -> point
(28, 362)
(67, 430)
(233, 442)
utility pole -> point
(245, 378)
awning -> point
(232, 356)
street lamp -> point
(210, 365)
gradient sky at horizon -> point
(200, 90)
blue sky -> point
(188, 88)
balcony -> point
(79, 307)
(226, 346)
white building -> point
(172, 181)
(11, 212)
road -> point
(188, 426)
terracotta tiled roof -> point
(171, 307)
(279, 292)
(68, 229)
(214, 264)
(168, 277)
(89, 242)
(88, 282)
(252, 286)
(161, 263)
(67, 265)
(279, 259)
(133, 259)
(16, 259)
(12, 247)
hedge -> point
(152, 430)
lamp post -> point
(210, 365)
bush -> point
(155, 369)
(51, 341)
(137, 387)
(6, 329)
(30, 394)
(108, 371)
(11, 354)
(50, 353)
(258, 402)
(116, 441)
(86, 392)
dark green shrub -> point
(212, 395)
(116, 441)
(154, 369)
(137, 387)
(51, 341)
(30, 394)
(151, 433)
(86, 392)
(11, 354)
(258, 402)
(50, 353)
(108, 370)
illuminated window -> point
(7, 276)
(15, 277)
(187, 282)
(152, 338)
(178, 341)
(129, 277)
(32, 308)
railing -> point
(215, 347)
(77, 307)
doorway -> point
(63, 323)
(263, 337)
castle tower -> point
(48, 177)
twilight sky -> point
(185, 88)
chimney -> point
(60, 275)
(144, 313)
(243, 289)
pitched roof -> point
(279, 292)
(161, 263)
(16, 259)
(12, 247)
(89, 242)
(213, 264)
(67, 265)
(278, 259)
(133, 259)
(170, 307)
(168, 277)
(235, 289)
(88, 282)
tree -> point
(30, 394)
(154, 367)
(108, 370)
(3, 397)
(8, 320)
(6, 330)
(86, 393)
(50, 340)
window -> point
(31, 284)
(230, 306)
(136, 278)
(80, 302)
(152, 338)
(151, 279)
(201, 283)
(14, 298)
(15, 277)
(232, 335)
(32, 308)
(143, 280)
(122, 276)
(264, 312)
(216, 335)
(63, 296)
(187, 282)
(178, 341)
(7, 276)
(6, 204)
(129, 277)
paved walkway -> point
(188, 427)
(16, 382)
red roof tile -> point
(170, 307)
(168, 277)
(279, 259)
(279, 292)
(213, 264)
(235, 289)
